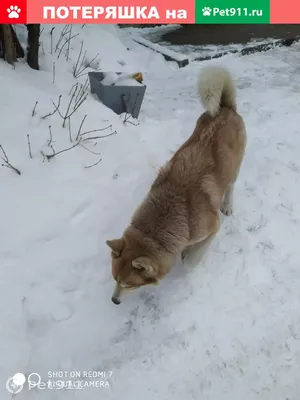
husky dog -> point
(181, 209)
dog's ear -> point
(144, 264)
(116, 245)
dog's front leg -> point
(185, 252)
(197, 250)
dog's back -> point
(211, 155)
(195, 179)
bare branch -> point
(6, 158)
(51, 39)
(70, 102)
(81, 96)
(7, 164)
(33, 111)
(45, 156)
(50, 133)
(70, 132)
(49, 156)
(93, 165)
(77, 62)
(67, 149)
(90, 151)
(80, 65)
(99, 137)
(77, 105)
(68, 49)
(55, 109)
(41, 31)
(79, 130)
(96, 130)
(63, 33)
(80, 72)
(132, 123)
(75, 84)
(82, 91)
(42, 46)
(53, 70)
(29, 146)
(17, 171)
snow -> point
(109, 78)
(127, 82)
(121, 79)
(227, 329)
(160, 49)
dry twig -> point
(51, 40)
(50, 134)
(56, 108)
(70, 132)
(62, 35)
(7, 164)
(90, 151)
(79, 130)
(68, 49)
(98, 137)
(79, 67)
(93, 165)
(29, 146)
(50, 156)
(33, 111)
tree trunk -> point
(10, 41)
(9, 49)
(33, 45)
(19, 49)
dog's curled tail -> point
(217, 89)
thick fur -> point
(182, 206)
(217, 90)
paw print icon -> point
(206, 11)
(13, 12)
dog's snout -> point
(115, 300)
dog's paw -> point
(226, 209)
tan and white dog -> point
(182, 206)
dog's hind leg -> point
(227, 203)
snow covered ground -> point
(228, 329)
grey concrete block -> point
(120, 99)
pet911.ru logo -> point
(230, 12)
(15, 384)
